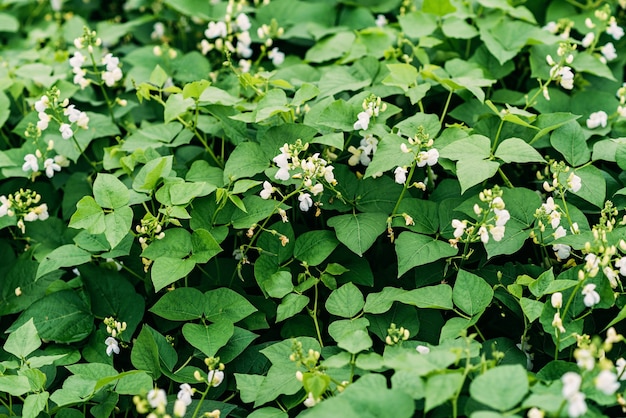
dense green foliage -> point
(312, 208)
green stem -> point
(195, 412)
(314, 316)
(404, 189)
(445, 108)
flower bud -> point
(557, 300)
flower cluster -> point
(24, 205)
(149, 229)
(112, 72)
(602, 22)
(215, 373)
(267, 33)
(115, 329)
(492, 217)
(421, 146)
(231, 34)
(364, 153)
(62, 112)
(558, 70)
(395, 335)
(311, 171)
(310, 361)
(372, 106)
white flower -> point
(616, 31)
(50, 167)
(560, 232)
(111, 77)
(31, 163)
(6, 206)
(591, 264)
(215, 377)
(276, 56)
(185, 394)
(551, 27)
(112, 346)
(77, 60)
(56, 5)
(157, 398)
(557, 322)
(459, 227)
(621, 264)
(80, 79)
(535, 412)
(422, 349)
(329, 176)
(484, 235)
(556, 300)
(562, 251)
(497, 232)
(111, 62)
(317, 189)
(61, 161)
(243, 22)
(608, 51)
(502, 216)
(591, 296)
(42, 212)
(363, 121)
(267, 191)
(31, 216)
(310, 401)
(305, 202)
(243, 45)
(584, 359)
(596, 119)
(400, 174)
(381, 20)
(42, 104)
(44, 120)
(158, 30)
(66, 131)
(611, 275)
(216, 30)
(180, 408)
(588, 39)
(576, 405)
(574, 183)
(567, 77)
(606, 381)
(571, 384)
(549, 206)
(429, 157)
(245, 65)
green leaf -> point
(355, 341)
(472, 147)
(267, 412)
(150, 174)
(381, 302)
(89, 215)
(204, 246)
(314, 247)
(109, 192)
(209, 338)
(471, 293)
(64, 256)
(438, 7)
(332, 47)
(429, 297)
(279, 284)
(593, 184)
(246, 160)
(145, 353)
(359, 231)
(569, 140)
(176, 106)
(118, 225)
(158, 77)
(291, 305)
(23, 340)
(517, 150)
(347, 301)
(14, 385)
(531, 308)
(474, 171)
(441, 388)
(388, 156)
(167, 270)
(60, 316)
(177, 242)
(418, 24)
(180, 304)
(34, 404)
(512, 384)
(224, 303)
(401, 75)
(415, 250)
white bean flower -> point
(305, 202)
(596, 119)
(113, 346)
(591, 297)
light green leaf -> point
(246, 160)
(23, 340)
(415, 250)
(64, 256)
(471, 172)
(118, 224)
(512, 384)
(208, 338)
(593, 184)
(34, 404)
(471, 293)
(150, 174)
(314, 247)
(517, 150)
(176, 106)
(473, 147)
(14, 385)
(291, 305)
(109, 192)
(347, 301)
(332, 47)
(418, 24)
(359, 231)
(388, 156)
(166, 270)
(569, 140)
(89, 215)
(224, 303)
(181, 304)
(355, 341)
(442, 387)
